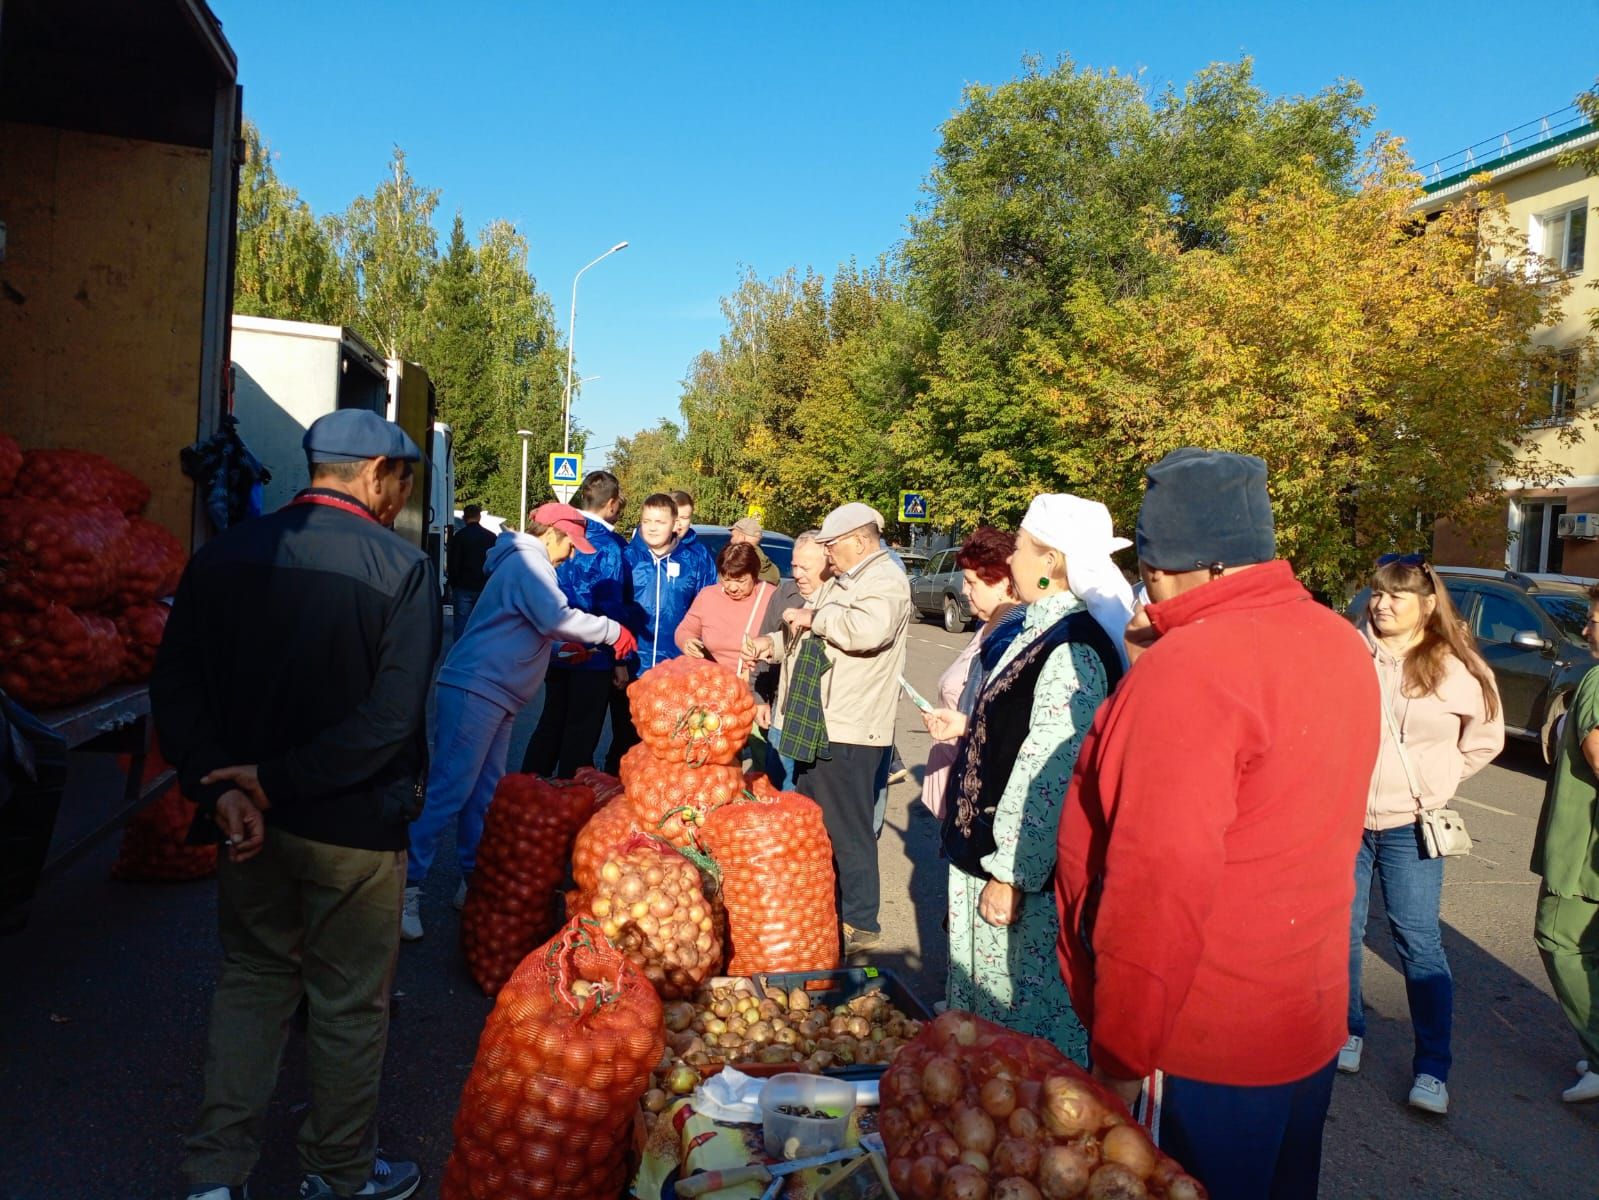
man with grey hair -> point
(748, 530)
(839, 714)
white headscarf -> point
(1081, 530)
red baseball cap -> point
(568, 520)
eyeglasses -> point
(1403, 560)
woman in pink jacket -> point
(727, 611)
(1443, 723)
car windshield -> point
(1569, 613)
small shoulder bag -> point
(1443, 830)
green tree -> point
(387, 247)
(285, 266)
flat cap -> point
(1206, 508)
(354, 434)
(748, 525)
(847, 518)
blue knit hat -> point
(1205, 508)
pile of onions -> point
(973, 1111)
(670, 797)
(650, 903)
(552, 1102)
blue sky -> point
(713, 136)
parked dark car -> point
(779, 547)
(1529, 629)
(936, 591)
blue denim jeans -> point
(1412, 889)
(462, 602)
(468, 761)
(779, 767)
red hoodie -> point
(1208, 842)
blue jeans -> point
(462, 602)
(469, 751)
(779, 767)
(1412, 888)
(1248, 1143)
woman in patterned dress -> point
(1013, 766)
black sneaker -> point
(390, 1181)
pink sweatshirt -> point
(1448, 737)
(719, 621)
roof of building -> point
(1522, 148)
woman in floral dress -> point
(1013, 766)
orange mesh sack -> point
(150, 562)
(58, 554)
(550, 1109)
(650, 903)
(1036, 1122)
(689, 710)
(777, 883)
(671, 797)
(83, 478)
(521, 860)
(605, 832)
(140, 626)
(57, 656)
(605, 787)
(155, 845)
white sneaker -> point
(1586, 1088)
(1430, 1094)
(411, 918)
(460, 896)
(1349, 1056)
(221, 1193)
(1582, 1066)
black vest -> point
(998, 727)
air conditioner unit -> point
(1579, 525)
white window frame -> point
(1538, 236)
(1548, 529)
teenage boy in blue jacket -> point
(664, 581)
(577, 691)
(689, 547)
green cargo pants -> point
(300, 918)
(1567, 933)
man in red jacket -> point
(1204, 874)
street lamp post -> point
(525, 435)
(571, 340)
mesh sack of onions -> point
(155, 845)
(650, 903)
(54, 553)
(521, 860)
(82, 478)
(149, 562)
(777, 883)
(671, 797)
(10, 463)
(689, 710)
(605, 787)
(758, 783)
(140, 627)
(551, 1109)
(57, 656)
(974, 1111)
(604, 833)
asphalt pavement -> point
(103, 1004)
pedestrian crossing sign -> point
(913, 507)
(566, 468)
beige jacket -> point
(1448, 737)
(862, 617)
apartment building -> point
(1555, 205)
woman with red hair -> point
(984, 563)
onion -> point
(1023, 1123)
(964, 1183)
(1016, 1156)
(941, 1081)
(1010, 1189)
(1112, 1181)
(1070, 1106)
(899, 1175)
(979, 1161)
(1062, 1173)
(998, 1098)
(1127, 1145)
(974, 1130)
(1184, 1187)
(947, 1149)
(926, 1174)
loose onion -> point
(998, 1098)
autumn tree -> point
(387, 247)
(652, 460)
(286, 266)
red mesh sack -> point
(606, 832)
(10, 463)
(521, 860)
(56, 554)
(777, 883)
(551, 1110)
(650, 903)
(140, 628)
(671, 797)
(57, 656)
(1038, 1122)
(605, 787)
(83, 478)
(149, 563)
(154, 843)
(760, 784)
(692, 711)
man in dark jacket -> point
(577, 691)
(469, 547)
(290, 692)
